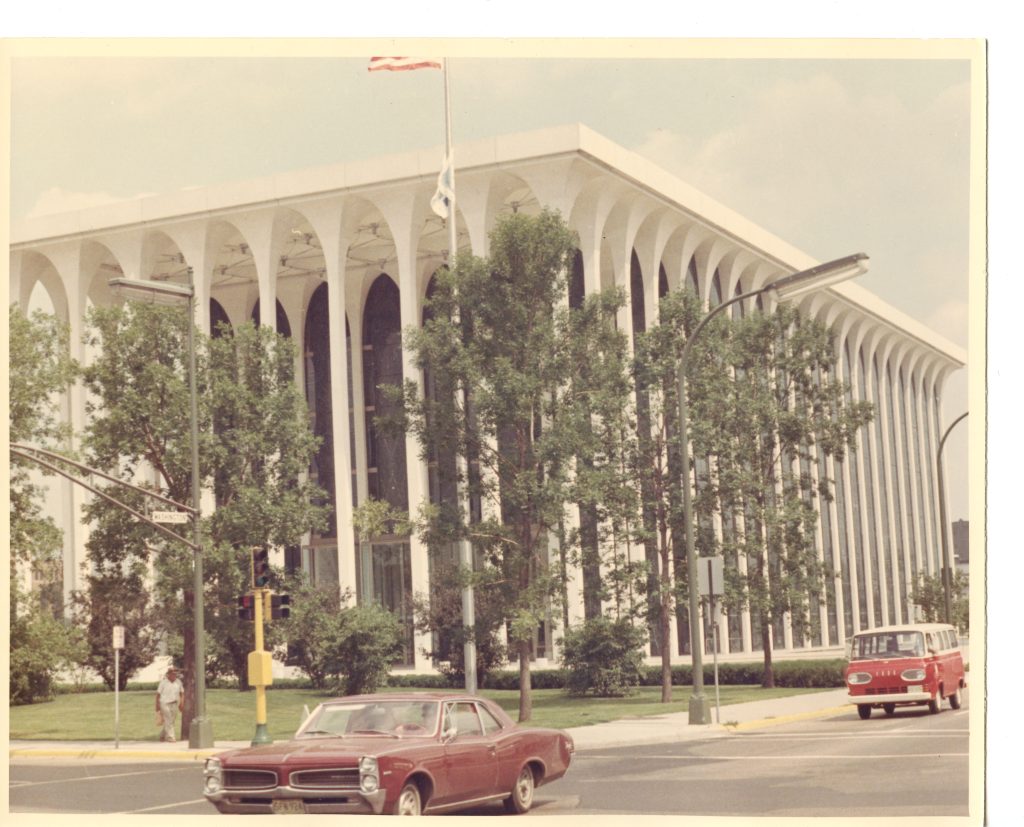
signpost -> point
(118, 646)
(711, 580)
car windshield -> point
(888, 645)
(408, 718)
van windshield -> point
(888, 645)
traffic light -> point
(260, 566)
(246, 607)
(276, 606)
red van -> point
(902, 665)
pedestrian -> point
(169, 696)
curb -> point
(116, 753)
(785, 719)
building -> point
(962, 545)
(341, 257)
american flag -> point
(402, 64)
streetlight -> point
(947, 573)
(786, 288)
(200, 734)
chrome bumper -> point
(316, 801)
(894, 698)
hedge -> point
(803, 674)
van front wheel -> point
(934, 705)
(864, 710)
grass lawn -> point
(90, 716)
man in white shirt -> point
(169, 694)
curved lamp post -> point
(200, 735)
(785, 288)
(947, 572)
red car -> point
(405, 754)
(897, 665)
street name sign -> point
(170, 517)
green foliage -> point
(255, 445)
(369, 644)
(440, 614)
(41, 647)
(603, 657)
(502, 351)
(334, 645)
(929, 595)
(114, 598)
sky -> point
(835, 155)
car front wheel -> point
(408, 803)
(522, 792)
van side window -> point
(951, 635)
(932, 643)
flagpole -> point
(465, 550)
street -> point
(912, 763)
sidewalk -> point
(625, 732)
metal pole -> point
(117, 699)
(465, 549)
(947, 574)
(200, 734)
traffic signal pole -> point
(259, 672)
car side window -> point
(491, 724)
(466, 719)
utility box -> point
(260, 669)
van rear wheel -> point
(864, 710)
(954, 700)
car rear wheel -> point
(864, 710)
(954, 700)
(408, 803)
(522, 792)
(890, 709)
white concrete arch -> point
(37, 268)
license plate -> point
(287, 806)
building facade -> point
(341, 258)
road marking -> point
(812, 757)
(94, 777)
(161, 807)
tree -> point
(655, 465)
(929, 595)
(115, 598)
(761, 428)
(255, 445)
(41, 368)
(501, 336)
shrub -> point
(370, 641)
(603, 657)
(41, 646)
(334, 645)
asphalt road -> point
(910, 764)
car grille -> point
(887, 690)
(249, 779)
(343, 778)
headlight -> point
(212, 778)
(369, 780)
(856, 678)
(912, 675)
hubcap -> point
(408, 804)
(524, 788)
